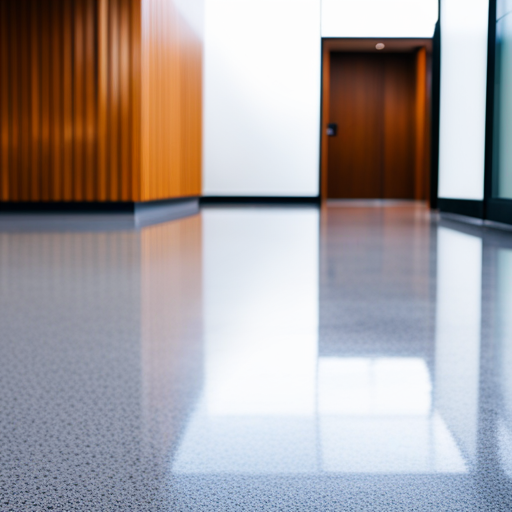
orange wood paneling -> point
(4, 103)
(136, 78)
(57, 107)
(67, 95)
(78, 100)
(100, 100)
(14, 107)
(90, 105)
(171, 52)
(125, 133)
(23, 177)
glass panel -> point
(464, 44)
(503, 7)
(502, 171)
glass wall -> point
(502, 158)
(464, 48)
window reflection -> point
(458, 320)
(370, 416)
(260, 344)
(374, 387)
(504, 345)
(376, 416)
(261, 310)
(271, 405)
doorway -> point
(375, 119)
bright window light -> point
(463, 98)
(458, 331)
(379, 18)
(374, 387)
(373, 415)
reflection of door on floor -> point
(372, 102)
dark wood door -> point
(372, 102)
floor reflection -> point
(256, 413)
(349, 358)
(458, 320)
(504, 355)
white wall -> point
(464, 27)
(262, 82)
(261, 97)
(379, 18)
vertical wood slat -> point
(113, 100)
(100, 101)
(46, 110)
(136, 98)
(103, 91)
(144, 98)
(78, 100)
(23, 177)
(67, 97)
(174, 81)
(13, 104)
(90, 126)
(124, 100)
(4, 102)
(56, 90)
(35, 104)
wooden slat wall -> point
(100, 100)
(171, 100)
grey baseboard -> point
(154, 212)
(93, 216)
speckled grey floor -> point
(244, 359)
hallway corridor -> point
(292, 359)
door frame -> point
(423, 49)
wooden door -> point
(372, 102)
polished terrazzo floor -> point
(257, 359)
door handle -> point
(332, 130)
